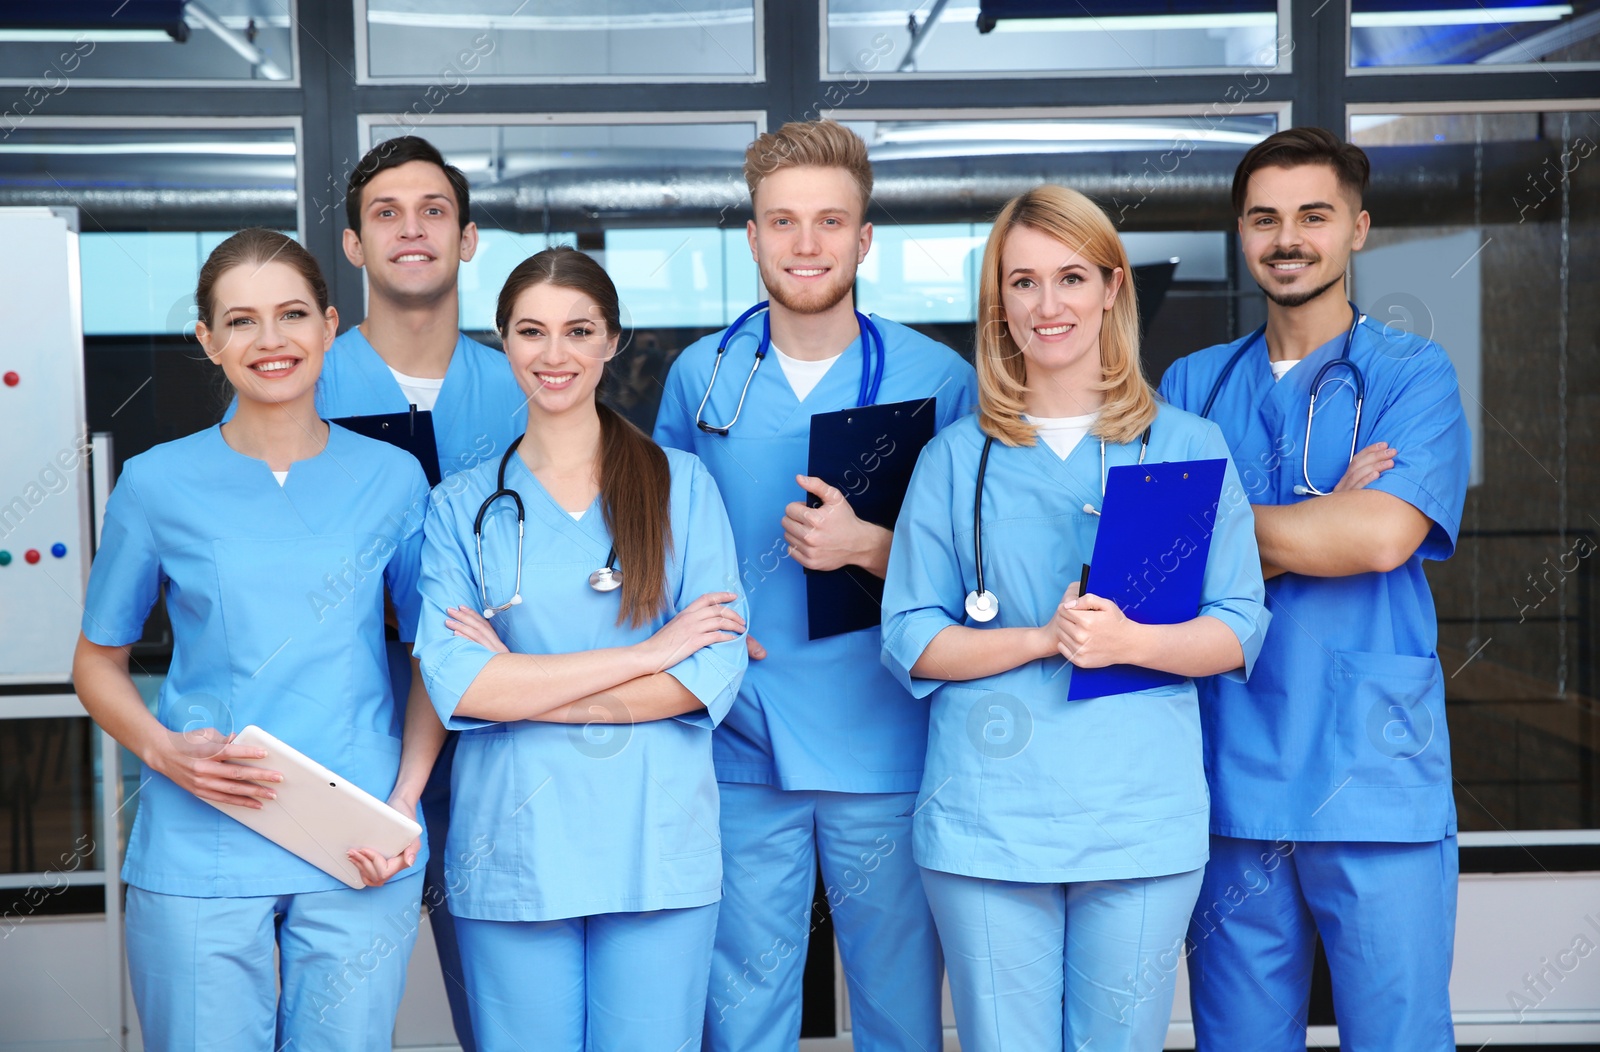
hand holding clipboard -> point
(1150, 555)
(868, 455)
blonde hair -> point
(1077, 222)
(809, 144)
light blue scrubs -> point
(480, 409)
(1337, 746)
(1060, 841)
(276, 598)
(811, 766)
(574, 843)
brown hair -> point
(809, 144)
(635, 481)
(259, 246)
(392, 153)
(1075, 221)
(1297, 146)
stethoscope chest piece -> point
(490, 611)
(606, 579)
(982, 606)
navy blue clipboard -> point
(868, 455)
(411, 431)
(1150, 557)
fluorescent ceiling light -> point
(1092, 24)
(202, 149)
(1079, 131)
(74, 36)
(683, 19)
(968, 14)
(1475, 16)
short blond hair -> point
(1077, 222)
(809, 144)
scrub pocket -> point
(1390, 724)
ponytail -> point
(635, 498)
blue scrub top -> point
(276, 598)
(550, 820)
(1022, 784)
(861, 733)
(1340, 733)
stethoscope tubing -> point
(1359, 382)
(606, 579)
(873, 364)
(982, 604)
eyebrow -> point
(285, 303)
(826, 210)
(395, 200)
(570, 321)
(1065, 266)
(1314, 206)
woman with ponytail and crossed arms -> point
(584, 804)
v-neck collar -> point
(1083, 462)
(589, 531)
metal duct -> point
(1413, 186)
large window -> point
(456, 42)
(1494, 269)
(1490, 35)
(933, 37)
(52, 46)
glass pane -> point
(1484, 234)
(61, 44)
(455, 43)
(866, 37)
(1486, 34)
(152, 203)
(49, 796)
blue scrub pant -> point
(771, 842)
(613, 982)
(436, 822)
(1387, 916)
(204, 978)
(1085, 967)
(436, 816)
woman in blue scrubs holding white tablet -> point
(583, 862)
(1061, 842)
(275, 538)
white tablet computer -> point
(318, 815)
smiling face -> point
(267, 333)
(1054, 303)
(808, 236)
(558, 346)
(411, 242)
(1297, 232)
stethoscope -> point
(982, 604)
(1357, 381)
(606, 579)
(872, 357)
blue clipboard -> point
(411, 431)
(1150, 557)
(868, 455)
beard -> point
(1295, 299)
(817, 300)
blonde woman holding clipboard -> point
(1061, 842)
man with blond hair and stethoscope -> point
(821, 756)
(1330, 769)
